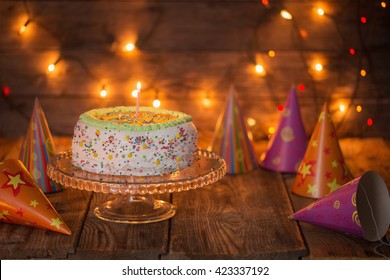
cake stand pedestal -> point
(133, 202)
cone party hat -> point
(360, 208)
(232, 140)
(322, 169)
(23, 202)
(37, 149)
(288, 144)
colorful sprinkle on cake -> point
(114, 141)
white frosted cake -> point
(113, 141)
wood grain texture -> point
(107, 240)
(360, 155)
(21, 242)
(182, 25)
(189, 50)
(240, 217)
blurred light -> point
(370, 122)
(23, 28)
(251, 121)
(271, 53)
(156, 103)
(301, 87)
(363, 73)
(134, 93)
(6, 91)
(271, 130)
(259, 68)
(51, 67)
(285, 14)
(129, 47)
(363, 19)
(303, 33)
(320, 11)
(139, 85)
(206, 102)
(359, 108)
(351, 51)
(383, 4)
(318, 67)
(280, 107)
(342, 107)
(265, 2)
(103, 92)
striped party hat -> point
(232, 140)
(37, 149)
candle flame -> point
(139, 86)
(134, 93)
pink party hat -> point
(360, 208)
(37, 149)
(288, 144)
(232, 140)
(322, 169)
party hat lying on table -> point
(360, 208)
(288, 144)
(232, 140)
(23, 202)
(37, 149)
(322, 169)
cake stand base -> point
(133, 202)
(135, 209)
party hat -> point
(322, 169)
(360, 208)
(37, 149)
(23, 202)
(288, 144)
(232, 140)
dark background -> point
(187, 51)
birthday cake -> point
(115, 141)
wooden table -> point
(240, 217)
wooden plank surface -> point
(180, 25)
(20, 242)
(106, 240)
(360, 155)
(240, 217)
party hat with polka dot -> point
(287, 145)
(360, 208)
(37, 149)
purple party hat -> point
(288, 144)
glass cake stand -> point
(133, 202)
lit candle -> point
(138, 95)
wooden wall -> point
(189, 50)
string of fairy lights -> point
(259, 68)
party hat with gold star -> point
(322, 169)
(23, 202)
(360, 208)
(232, 140)
(37, 149)
(288, 144)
